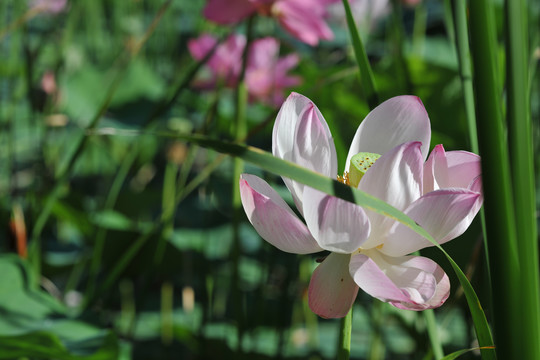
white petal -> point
(396, 121)
(273, 218)
(301, 135)
(409, 282)
(444, 214)
(332, 291)
(336, 224)
(436, 170)
(452, 169)
(396, 178)
(463, 168)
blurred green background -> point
(139, 257)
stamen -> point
(344, 179)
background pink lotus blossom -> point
(304, 19)
(266, 73)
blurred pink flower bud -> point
(48, 83)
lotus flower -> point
(304, 19)
(367, 250)
(266, 73)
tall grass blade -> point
(522, 170)
(366, 76)
(499, 208)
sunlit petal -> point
(444, 214)
(301, 135)
(396, 178)
(396, 121)
(273, 218)
(336, 224)
(409, 282)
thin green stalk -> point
(461, 31)
(433, 333)
(522, 170)
(501, 229)
(167, 307)
(366, 75)
(450, 30)
(459, 8)
(377, 348)
(345, 330)
(168, 209)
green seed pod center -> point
(360, 163)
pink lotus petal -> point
(228, 11)
(452, 169)
(266, 73)
(273, 218)
(444, 214)
(309, 29)
(200, 46)
(332, 291)
(435, 170)
(264, 53)
(226, 61)
(299, 117)
(396, 178)
(463, 168)
(442, 291)
(476, 185)
(409, 282)
(396, 121)
(336, 225)
(313, 147)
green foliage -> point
(35, 324)
(134, 251)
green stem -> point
(433, 333)
(459, 11)
(168, 210)
(499, 207)
(345, 330)
(522, 170)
